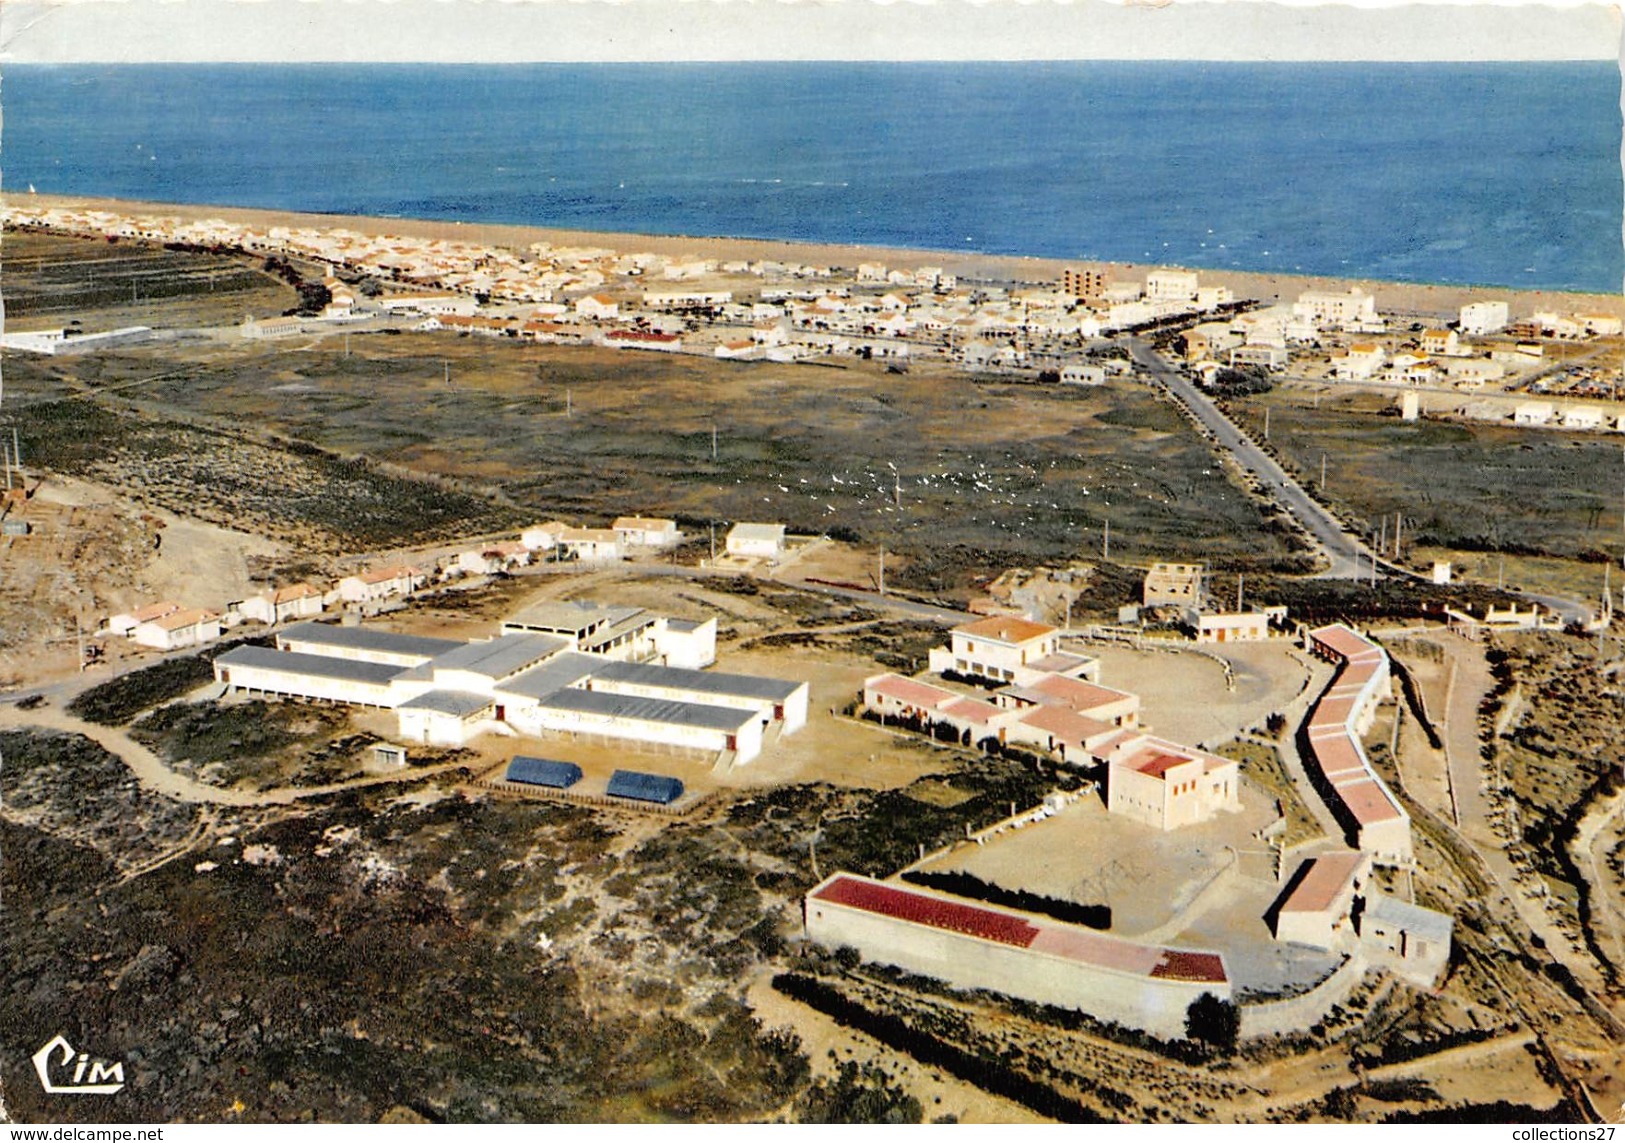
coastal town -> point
(1547, 367)
(1224, 805)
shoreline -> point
(1392, 296)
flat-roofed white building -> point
(1078, 374)
(1533, 413)
(1171, 286)
(756, 541)
(1166, 786)
(1008, 649)
(647, 532)
(1354, 308)
(591, 545)
(1231, 626)
(1173, 585)
(1480, 318)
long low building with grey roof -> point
(307, 676)
(679, 725)
(775, 700)
(530, 681)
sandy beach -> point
(1392, 297)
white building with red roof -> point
(185, 628)
(972, 945)
(1353, 791)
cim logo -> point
(90, 1077)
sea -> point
(1503, 174)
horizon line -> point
(9, 60)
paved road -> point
(1348, 557)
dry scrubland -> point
(486, 959)
(52, 280)
(1540, 507)
(480, 959)
(990, 472)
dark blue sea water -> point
(1503, 174)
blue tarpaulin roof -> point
(543, 772)
(644, 787)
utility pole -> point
(1266, 422)
(1240, 580)
(713, 444)
(713, 541)
(1322, 473)
(1382, 535)
(1399, 524)
(882, 569)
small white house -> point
(598, 307)
(591, 544)
(381, 583)
(178, 629)
(1583, 417)
(298, 601)
(1083, 374)
(543, 537)
(125, 622)
(493, 559)
(1533, 413)
(758, 541)
(647, 532)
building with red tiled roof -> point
(1008, 649)
(973, 945)
(1355, 794)
(1316, 907)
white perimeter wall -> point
(1156, 1006)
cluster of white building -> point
(557, 669)
(1052, 704)
(1330, 904)
(167, 626)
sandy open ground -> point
(1403, 298)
